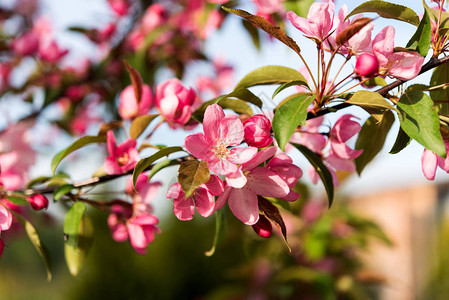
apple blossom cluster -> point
(241, 159)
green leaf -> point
(288, 84)
(159, 166)
(220, 230)
(372, 138)
(402, 141)
(301, 8)
(421, 40)
(440, 97)
(192, 174)
(36, 241)
(237, 105)
(375, 81)
(434, 14)
(387, 10)
(420, 121)
(265, 25)
(144, 163)
(72, 223)
(139, 125)
(86, 140)
(366, 99)
(269, 75)
(288, 117)
(321, 169)
(37, 180)
(75, 257)
(61, 191)
(18, 200)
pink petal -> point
(145, 219)
(242, 155)
(111, 142)
(299, 22)
(175, 191)
(236, 179)
(341, 164)
(344, 152)
(215, 185)
(111, 167)
(231, 130)
(244, 205)
(344, 128)
(429, 164)
(5, 218)
(146, 101)
(222, 166)
(405, 65)
(383, 45)
(211, 122)
(184, 209)
(199, 147)
(137, 238)
(205, 202)
(168, 106)
(265, 182)
(259, 158)
(221, 201)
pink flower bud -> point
(175, 102)
(257, 131)
(38, 201)
(26, 44)
(51, 52)
(120, 7)
(263, 227)
(129, 107)
(367, 65)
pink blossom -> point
(129, 107)
(268, 7)
(140, 229)
(120, 7)
(319, 20)
(175, 102)
(26, 44)
(359, 42)
(136, 222)
(122, 158)
(258, 131)
(282, 165)
(38, 201)
(310, 136)
(242, 193)
(154, 16)
(51, 52)
(222, 79)
(5, 218)
(402, 65)
(430, 161)
(342, 131)
(202, 199)
(220, 132)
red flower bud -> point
(2, 246)
(257, 131)
(263, 227)
(38, 201)
(366, 65)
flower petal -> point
(244, 205)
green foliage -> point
(288, 117)
(422, 38)
(220, 230)
(402, 141)
(144, 163)
(269, 75)
(387, 10)
(76, 256)
(84, 141)
(139, 125)
(372, 138)
(440, 97)
(72, 223)
(420, 121)
(62, 191)
(321, 169)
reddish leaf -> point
(272, 213)
(351, 30)
(136, 80)
(265, 25)
(192, 174)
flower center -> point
(220, 149)
(123, 160)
